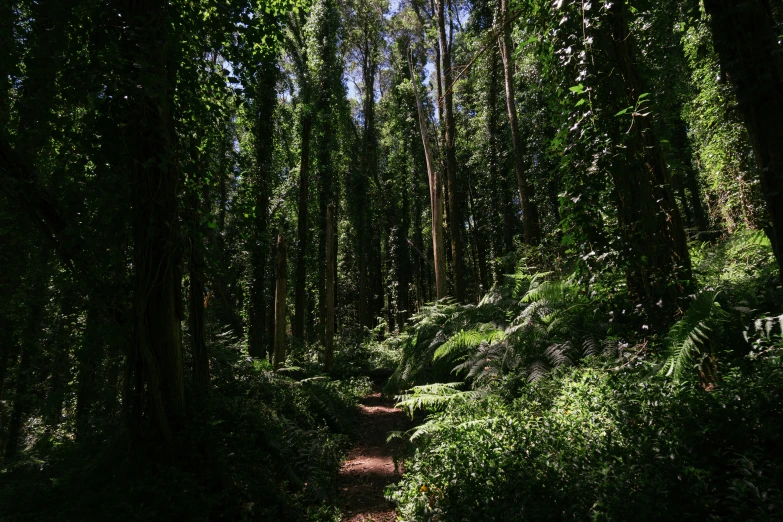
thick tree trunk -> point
(455, 210)
(436, 199)
(154, 187)
(748, 46)
(658, 263)
(300, 301)
(331, 270)
(526, 190)
(280, 304)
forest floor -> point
(370, 465)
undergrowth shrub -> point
(262, 447)
(591, 443)
(551, 399)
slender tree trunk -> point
(526, 190)
(280, 304)
(198, 304)
(300, 301)
(87, 362)
(436, 200)
(21, 404)
(748, 46)
(331, 269)
(61, 369)
(404, 269)
(450, 136)
(24, 373)
(263, 144)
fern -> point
(692, 335)
(433, 397)
(468, 340)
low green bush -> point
(592, 443)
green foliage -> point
(595, 444)
(693, 339)
(433, 397)
(264, 447)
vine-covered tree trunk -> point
(331, 269)
(658, 263)
(450, 137)
(61, 368)
(746, 40)
(148, 135)
(526, 190)
(198, 304)
(280, 304)
(300, 298)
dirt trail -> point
(369, 467)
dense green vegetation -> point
(558, 226)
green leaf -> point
(212, 225)
(622, 112)
(578, 89)
(580, 102)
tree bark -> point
(331, 269)
(280, 304)
(658, 263)
(300, 298)
(745, 38)
(450, 136)
(263, 144)
(154, 187)
(526, 191)
(436, 199)
(198, 304)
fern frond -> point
(433, 396)
(690, 335)
(468, 340)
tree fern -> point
(692, 335)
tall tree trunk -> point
(263, 144)
(300, 298)
(61, 369)
(526, 190)
(87, 361)
(21, 408)
(436, 199)
(404, 266)
(497, 235)
(280, 304)
(21, 404)
(450, 136)
(198, 304)
(331, 270)
(154, 186)
(658, 262)
(748, 46)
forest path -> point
(369, 467)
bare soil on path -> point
(370, 467)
